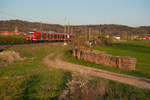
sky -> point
(77, 12)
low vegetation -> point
(114, 90)
(30, 79)
(92, 88)
(139, 50)
(6, 39)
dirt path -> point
(127, 79)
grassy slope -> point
(139, 50)
(30, 79)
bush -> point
(12, 39)
(103, 40)
(12, 88)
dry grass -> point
(85, 88)
(9, 57)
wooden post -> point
(68, 31)
(72, 30)
(89, 35)
(40, 25)
(86, 33)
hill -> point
(24, 26)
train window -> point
(49, 35)
(44, 35)
(38, 35)
(55, 36)
(62, 37)
(31, 34)
(68, 36)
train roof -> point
(63, 33)
(49, 32)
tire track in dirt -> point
(143, 83)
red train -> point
(42, 36)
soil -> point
(139, 82)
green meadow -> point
(30, 79)
(139, 50)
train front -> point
(31, 35)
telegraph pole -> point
(71, 29)
(40, 25)
(65, 21)
(86, 32)
(65, 30)
(100, 31)
(68, 27)
(41, 29)
(89, 35)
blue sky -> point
(126, 12)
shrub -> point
(12, 39)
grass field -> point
(139, 50)
(31, 80)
